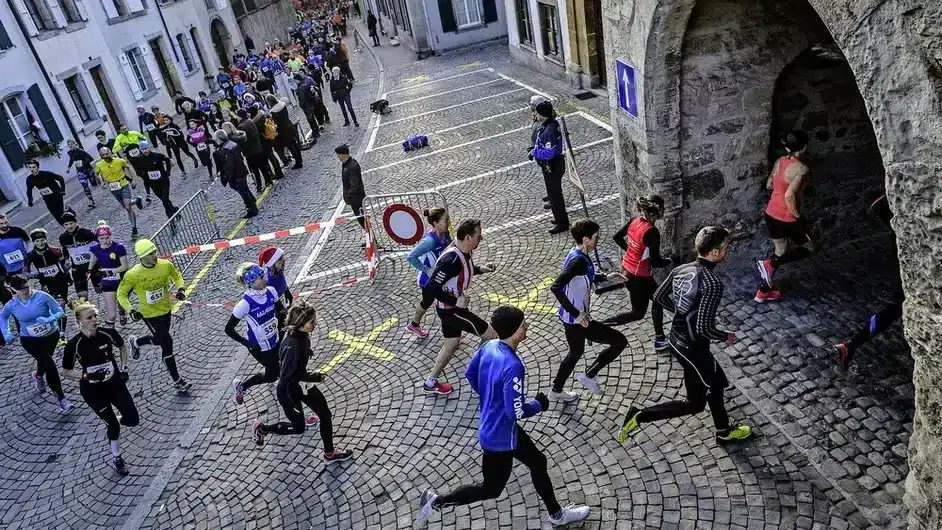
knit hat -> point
(342, 149)
(68, 217)
(144, 247)
(269, 255)
(506, 320)
(242, 113)
(545, 109)
(144, 144)
(38, 233)
(103, 229)
(536, 100)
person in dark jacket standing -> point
(232, 170)
(548, 153)
(51, 187)
(534, 130)
(254, 150)
(287, 139)
(352, 180)
(340, 87)
(371, 26)
(497, 375)
(294, 353)
(268, 137)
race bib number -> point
(106, 369)
(80, 258)
(226, 85)
(150, 127)
(45, 191)
(115, 186)
(134, 152)
(13, 257)
(109, 274)
(269, 329)
(201, 147)
(49, 271)
(154, 175)
(39, 330)
(266, 69)
(153, 297)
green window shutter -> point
(46, 118)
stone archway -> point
(222, 41)
(895, 55)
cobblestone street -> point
(829, 450)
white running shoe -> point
(64, 405)
(592, 383)
(571, 514)
(565, 397)
(425, 504)
(258, 436)
(238, 394)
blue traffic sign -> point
(627, 89)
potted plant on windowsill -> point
(42, 149)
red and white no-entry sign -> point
(403, 224)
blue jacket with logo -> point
(498, 376)
(549, 141)
(38, 316)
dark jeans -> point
(358, 211)
(100, 397)
(641, 291)
(270, 147)
(260, 165)
(287, 141)
(496, 467)
(269, 361)
(375, 36)
(291, 398)
(242, 188)
(704, 380)
(42, 349)
(576, 335)
(159, 327)
(553, 171)
(345, 106)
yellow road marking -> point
(212, 260)
(360, 344)
(475, 64)
(419, 79)
(529, 302)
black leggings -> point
(576, 335)
(159, 327)
(100, 397)
(205, 159)
(175, 144)
(496, 467)
(269, 360)
(161, 189)
(42, 349)
(876, 324)
(641, 291)
(704, 380)
(291, 398)
(55, 205)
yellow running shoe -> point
(736, 434)
(631, 424)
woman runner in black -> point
(294, 353)
(101, 382)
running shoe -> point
(91, 204)
(736, 434)
(661, 344)
(630, 425)
(766, 270)
(62, 341)
(427, 504)
(442, 389)
(569, 515)
(846, 354)
(39, 383)
(416, 330)
(258, 436)
(183, 175)
(117, 463)
(135, 348)
(312, 420)
(338, 455)
(148, 199)
(182, 386)
(592, 383)
(65, 405)
(237, 392)
(565, 397)
(139, 202)
(767, 296)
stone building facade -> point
(717, 82)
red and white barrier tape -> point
(231, 304)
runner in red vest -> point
(641, 241)
(782, 217)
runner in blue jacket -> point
(497, 375)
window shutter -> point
(5, 41)
(9, 144)
(149, 66)
(57, 13)
(129, 76)
(25, 17)
(447, 13)
(134, 6)
(110, 10)
(73, 109)
(176, 44)
(46, 119)
(221, 4)
(490, 11)
(94, 97)
(194, 53)
(80, 6)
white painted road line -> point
(463, 125)
(453, 106)
(595, 120)
(437, 81)
(445, 92)
(526, 86)
(321, 241)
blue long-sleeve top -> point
(423, 256)
(498, 376)
(38, 316)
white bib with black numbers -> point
(49, 271)
(106, 369)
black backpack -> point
(380, 106)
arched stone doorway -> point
(222, 41)
(709, 73)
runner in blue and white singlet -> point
(423, 258)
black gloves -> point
(181, 294)
(542, 400)
(136, 315)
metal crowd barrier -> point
(193, 224)
(375, 208)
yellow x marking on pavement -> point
(529, 302)
(360, 344)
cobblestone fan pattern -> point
(53, 471)
(671, 475)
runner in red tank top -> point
(782, 216)
(641, 241)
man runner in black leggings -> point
(692, 292)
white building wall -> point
(533, 55)
(442, 41)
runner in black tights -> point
(294, 353)
(884, 318)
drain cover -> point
(586, 95)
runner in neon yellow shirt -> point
(150, 280)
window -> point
(250, 6)
(75, 86)
(196, 49)
(118, 8)
(5, 42)
(19, 119)
(187, 59)
(524, 29)
(139, 69)
(41, 14)
(549, 30)
(71, 11)
(467, 13)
